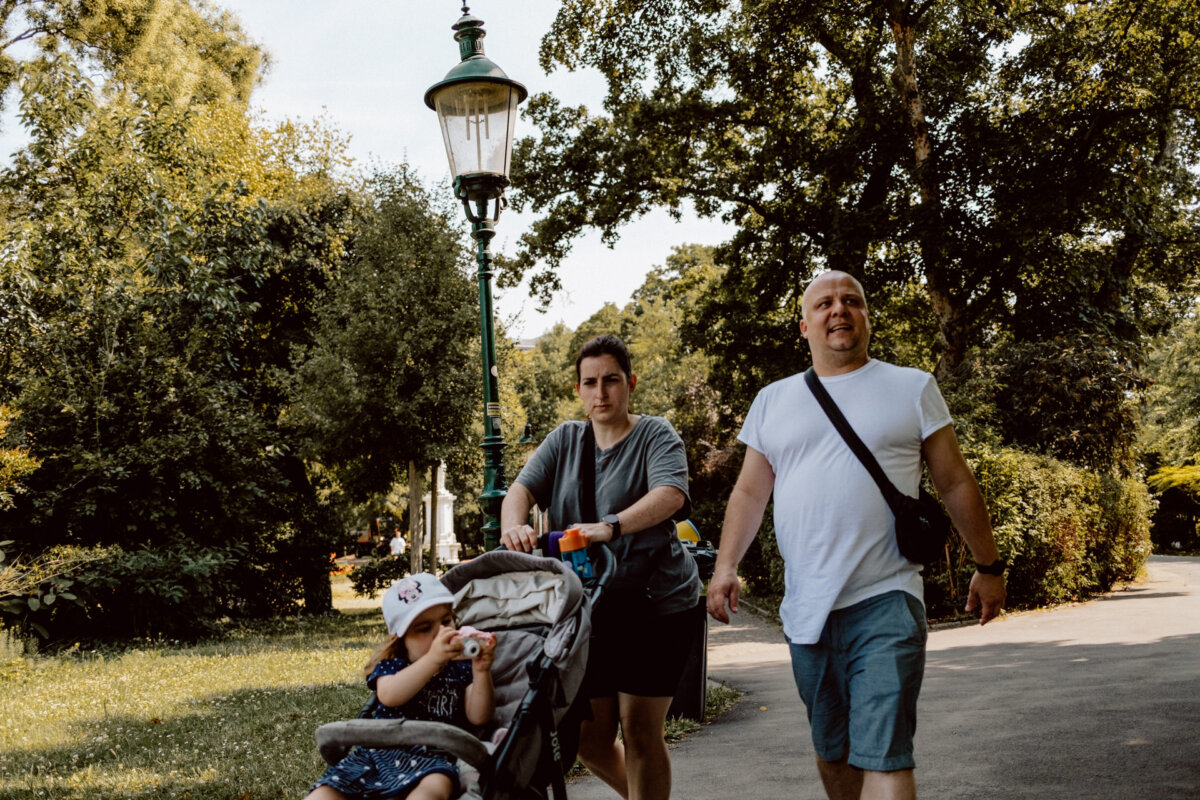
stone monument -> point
(447, 543)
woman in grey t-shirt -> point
(640, 636)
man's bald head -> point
(836, 323)
(831, 275)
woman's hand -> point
(521, 538)
(595, 532)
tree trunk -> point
(948, 304)
(310, 549)
(433, 517)
(416, 529)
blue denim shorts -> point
(860, 681)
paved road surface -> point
(1098, 701)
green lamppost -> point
(476, 105)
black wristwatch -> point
(614, 521)
(997, 567)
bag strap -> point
(890, 493)
(587, 475)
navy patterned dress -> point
(368, 774)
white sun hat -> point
(408, 597)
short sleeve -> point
(388, 666)
(539, 472)
(935, 415)
(751, 433)
(667, 465)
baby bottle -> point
(573, 547)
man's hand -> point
(520, 538)
(988, 591)
(723, 589)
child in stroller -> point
(540, 614)
(415, 675)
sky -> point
(365, 65)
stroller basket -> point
(540, 613)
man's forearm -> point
(970, 516)
(743, 515)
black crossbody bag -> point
(642, 555)
(922, 527)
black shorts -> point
(636, 653)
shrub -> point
(1176, 523)
(30, 588)
(375, 574)
(172, 591)
(1067, 531)
(15, 462)
(1176, 527)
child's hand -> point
(487, 653)
(479, 646)
(445, 646)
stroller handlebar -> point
(604, 563)
(335, 739)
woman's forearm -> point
(515, 510)
(654, 507)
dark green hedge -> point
(1067, 531)
(110, 593)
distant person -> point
(853, 613)
(416, 676)
(397, 544)
(641, 633)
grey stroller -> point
(540, 612)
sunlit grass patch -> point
(217, 719)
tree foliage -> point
(189, 50)
(389, 378)
(1028, 168)
(544, 380)
(164, 259)
(15, 462)
(1170, 436)
(1169, 431)
(126, 278)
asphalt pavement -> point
(1099, 700)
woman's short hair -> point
(605, 345)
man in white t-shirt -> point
(396, 545)
(852, 612)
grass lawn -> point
(231, 719)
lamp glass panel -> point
(477, 122)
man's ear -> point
(632, 382)
(803, 327)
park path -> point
(1099, 700)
